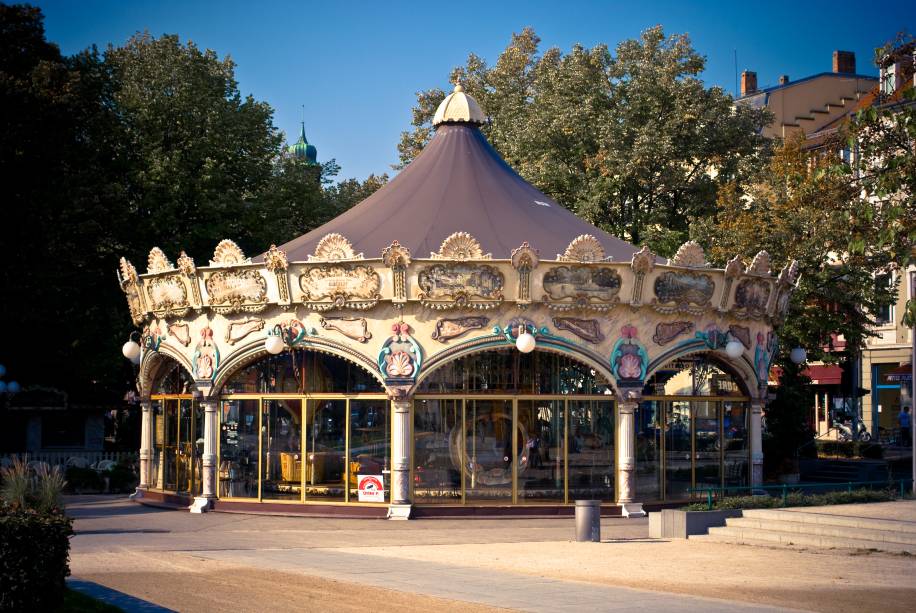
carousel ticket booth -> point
(457, 341)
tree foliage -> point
(626, 140)
(106, 154)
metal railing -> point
(784, 489)
(72, 458)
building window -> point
(884, 315)
(888, 81)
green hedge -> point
(796, 499)
(850, 449)
(34, 559)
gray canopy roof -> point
(458, 184)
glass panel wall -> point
(177, 445)
(238, 448)
(370, 425)
(156, 462)
(591, 450)
(326, 450)
(540, 449)
(170, 447)
(678, 450)
(302, 372)
(737, 446)
(281, 444)
(438, 448)
(489, 443)
(707, 444)
(649, 426)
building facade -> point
(458, 340)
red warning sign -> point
(371, 488)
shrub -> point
(796, 499)
(850, 449)
(17, 483)
(121, 478)
(34, 558)
(84, 479)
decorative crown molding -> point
(186, 264)
(525, 256)
(689, 255)
(128, 271)
(583, 248)
(334, 247)
(156, 261)
(643, 261)
(275, 259)
(760, 265)
(396, 255)
(460, 246)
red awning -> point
(820, 374)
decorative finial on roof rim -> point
(459, 107)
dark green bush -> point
(797, 499)
(850, 449)
(121, 479)
(84, 479)
(34, 558)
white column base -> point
(399, 511)
(201, 504)
(632, 509)
(137, 495)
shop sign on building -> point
(371, 488)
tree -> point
(634, 142)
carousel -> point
(457, 341)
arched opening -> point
(303, 426)
(499, 426)
(177, 431)
(692, 429)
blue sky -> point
(356, 65)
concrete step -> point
(845, 532)
(813, 517)
(743, 535)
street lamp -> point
(131, 349)
(798, 355)
(525, 342)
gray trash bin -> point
(588, 521)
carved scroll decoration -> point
(237, 291)
(237, 330)
(130, 285)
(785, 285)
(334, 247)
(397, 258)
(189, 270)
(351, 327)
(460, 246)
(581, 287)
(452, 286)
(742, 333)
(586, 329)
(733, 270)
(447, 329)
(583, 248)
(181, 333)
(168, 296)
(683, 292)
(667, 332)
(276, 261)
(227, 253)
(338, 286)
(643, 263)
(524, 260)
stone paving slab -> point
(488, 587)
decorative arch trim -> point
(742, 369)
(151, 367)
(553, 344)
(254, 350)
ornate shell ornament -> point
(275, 259)
(643, 261)
(734, 268)
(583, 248)
(227, 253)
(760, 265)
(157, 262)
(395, 255)
(525, 256)
(128, 272)
(460, 246)
(186, 264)
(689, 255)
(333, 248)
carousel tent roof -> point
(458, 184)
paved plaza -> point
(222, 561)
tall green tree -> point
(633, 141)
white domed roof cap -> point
(458, 107)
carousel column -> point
(757, 405)
(400, 459)
(203, 502)
(626, 459)
(146, 446)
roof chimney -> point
(748, 82)
(844, 62)
(784, 79)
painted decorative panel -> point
(168, 296)
(234, 291)
(447, 286)
(447, 329)
(586, 329)
(751, 298)
(581, 287)
(683, 292)
(327, 287)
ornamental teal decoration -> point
(400, 358)
(629, 360)
(153, 337)
(764, 354)
(713, 337)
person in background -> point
(906, 422)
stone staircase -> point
(776, 527)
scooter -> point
(853, 430)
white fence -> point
(73, 458)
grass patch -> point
(77, 602)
